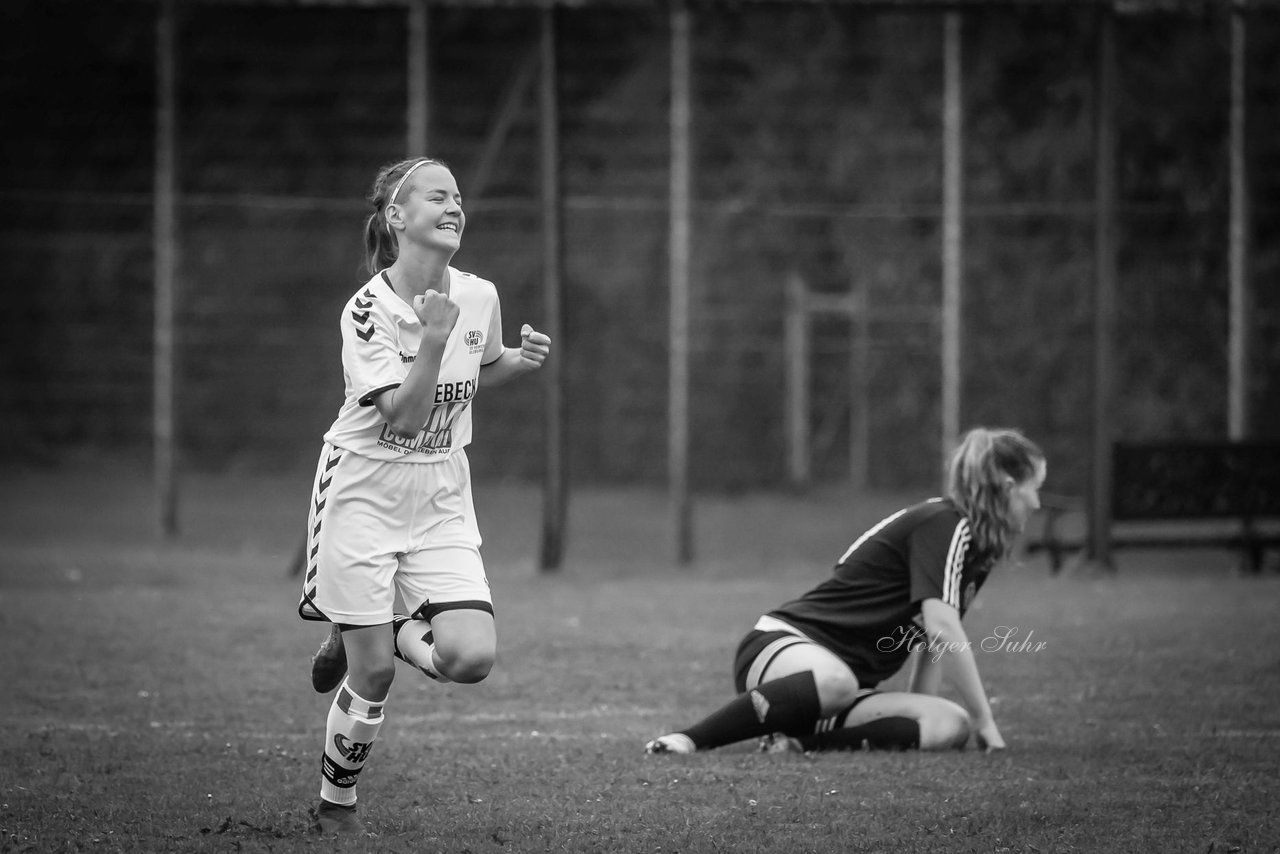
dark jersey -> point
(868, 612)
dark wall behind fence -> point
(817, 141)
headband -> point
(391, 200)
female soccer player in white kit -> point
(391, 506)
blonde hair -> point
(976, 483)
(380, 245)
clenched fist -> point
(534, 347)
(437, 313)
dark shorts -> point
(768, 644)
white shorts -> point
(378, 528)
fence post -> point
(680, 225)
(952, 230)
(859, 387)
(1104, 289)
(418, 80)
(165, 238)
(796, 357)
(1238, 235)
(556, 479)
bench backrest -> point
(1186, 480)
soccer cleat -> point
(779, 743)
(329, 664)
(337, 820)
(676, 742)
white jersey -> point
(380, 339)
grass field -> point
(156, 698)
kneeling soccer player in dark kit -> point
(807, 672)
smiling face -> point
(428, 209)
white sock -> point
(349, 734)
(415, 644)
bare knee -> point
(836, 691)
(465, 644)
(373, 681)
(466, 665)
(944, 727)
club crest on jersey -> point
(474, 340)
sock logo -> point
(354, 752)
(760, 704)
(343, 778)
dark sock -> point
(880, 734)
(788, 705)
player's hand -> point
(988, 738)
(437, 313)
(535, 346)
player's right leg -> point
(355, 535)
(789, 684)
(329, 663)
(354, 719)
(354, 532)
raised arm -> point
(407, 407)
(515, 361)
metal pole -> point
(680, 224)
(419, 78)
(796, 354)
(860, 385)
(1238, 333)
(554, 490)
(165, 248)
(952, 229)
(1105, 275)
(505, 114)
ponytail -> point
(380, 247)
(976, 483)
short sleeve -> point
(937, 553)
(370, 357)
(493, 345)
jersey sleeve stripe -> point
(870, 533)
(955, 563)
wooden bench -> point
(1176, 494)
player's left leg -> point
(895, 720)
(450, 636)
(457, 644)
